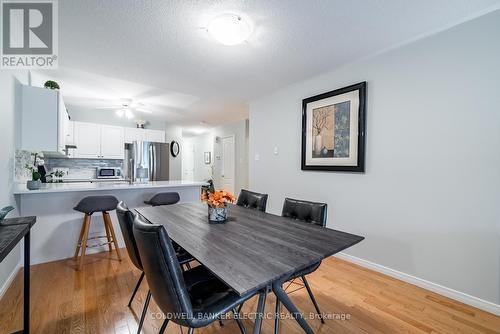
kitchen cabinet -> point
(112, 142)
(98, 141)
(156, 136)
(44, 120)
(134, 134)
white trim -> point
(442, 290)
(9, 279)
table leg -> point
(260, 312)
(26, 315)
(285, 300)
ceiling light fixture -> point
(120, 112)
(129, 114)
(229, 29)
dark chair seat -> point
(305, 211)
(252, 200)
(196, 294)
(91, 204)
(167, 198)
(209, 296)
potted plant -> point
(35, 182)
(217, 204)
(51, 84)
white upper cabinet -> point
(156, 136)
(112, 142)
(44, 120)
(96, 141)
(134, 134)
(87, 140)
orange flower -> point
(218, 198)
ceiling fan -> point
(126, 108)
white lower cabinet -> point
(96, 141)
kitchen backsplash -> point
(76, 168)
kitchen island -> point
(56, 233)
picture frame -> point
(207, 158)
(334, 130)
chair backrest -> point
(252, 200)
(163, 272)
(126, 220)
(166, 198)
(309, 212)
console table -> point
(12, 230)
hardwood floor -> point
(94, 301)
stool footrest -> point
(99, 245)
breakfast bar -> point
(56, 233)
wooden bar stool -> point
(88, 206)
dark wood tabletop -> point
(12, 230)
(252, 249)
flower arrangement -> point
(217, 199)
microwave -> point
(109, 173)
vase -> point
(33, 185)
(318, 144)
(217, 215)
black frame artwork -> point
(353, 157)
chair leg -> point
(80, 238)
(238, 321)
(221, 323)
(190, 330)
(144, 311)
(108, 237)
(84, 241)
(163, 326)
(277, 317)
(313, 299)
(107, 220)
(136, 288)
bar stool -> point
(167, 198)
(88, 206)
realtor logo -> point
(29, 34)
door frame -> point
(234, 157)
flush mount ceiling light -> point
(229, 29)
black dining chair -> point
(126, 220)
(311, 213)
(252, 200)
(194, 298)
(165, 198)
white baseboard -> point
(442, 290)
(9, 280)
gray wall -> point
(10, 84)
(174, 132)
(428, 203)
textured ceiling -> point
(162, 48)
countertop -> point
(20, 188)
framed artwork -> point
(207, 156)
(333, 130)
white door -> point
(156, 136)
(188, 162)
(87, 140)
(112, 142)
(134, 134)
(228, 163)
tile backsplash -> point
(76, 168)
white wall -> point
(201, 144)
(429, 202)
(174, 132)
(10, 84)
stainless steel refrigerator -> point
(146, 161)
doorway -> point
(228, 163)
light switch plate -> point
(257, 157)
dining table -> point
(251, 250)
